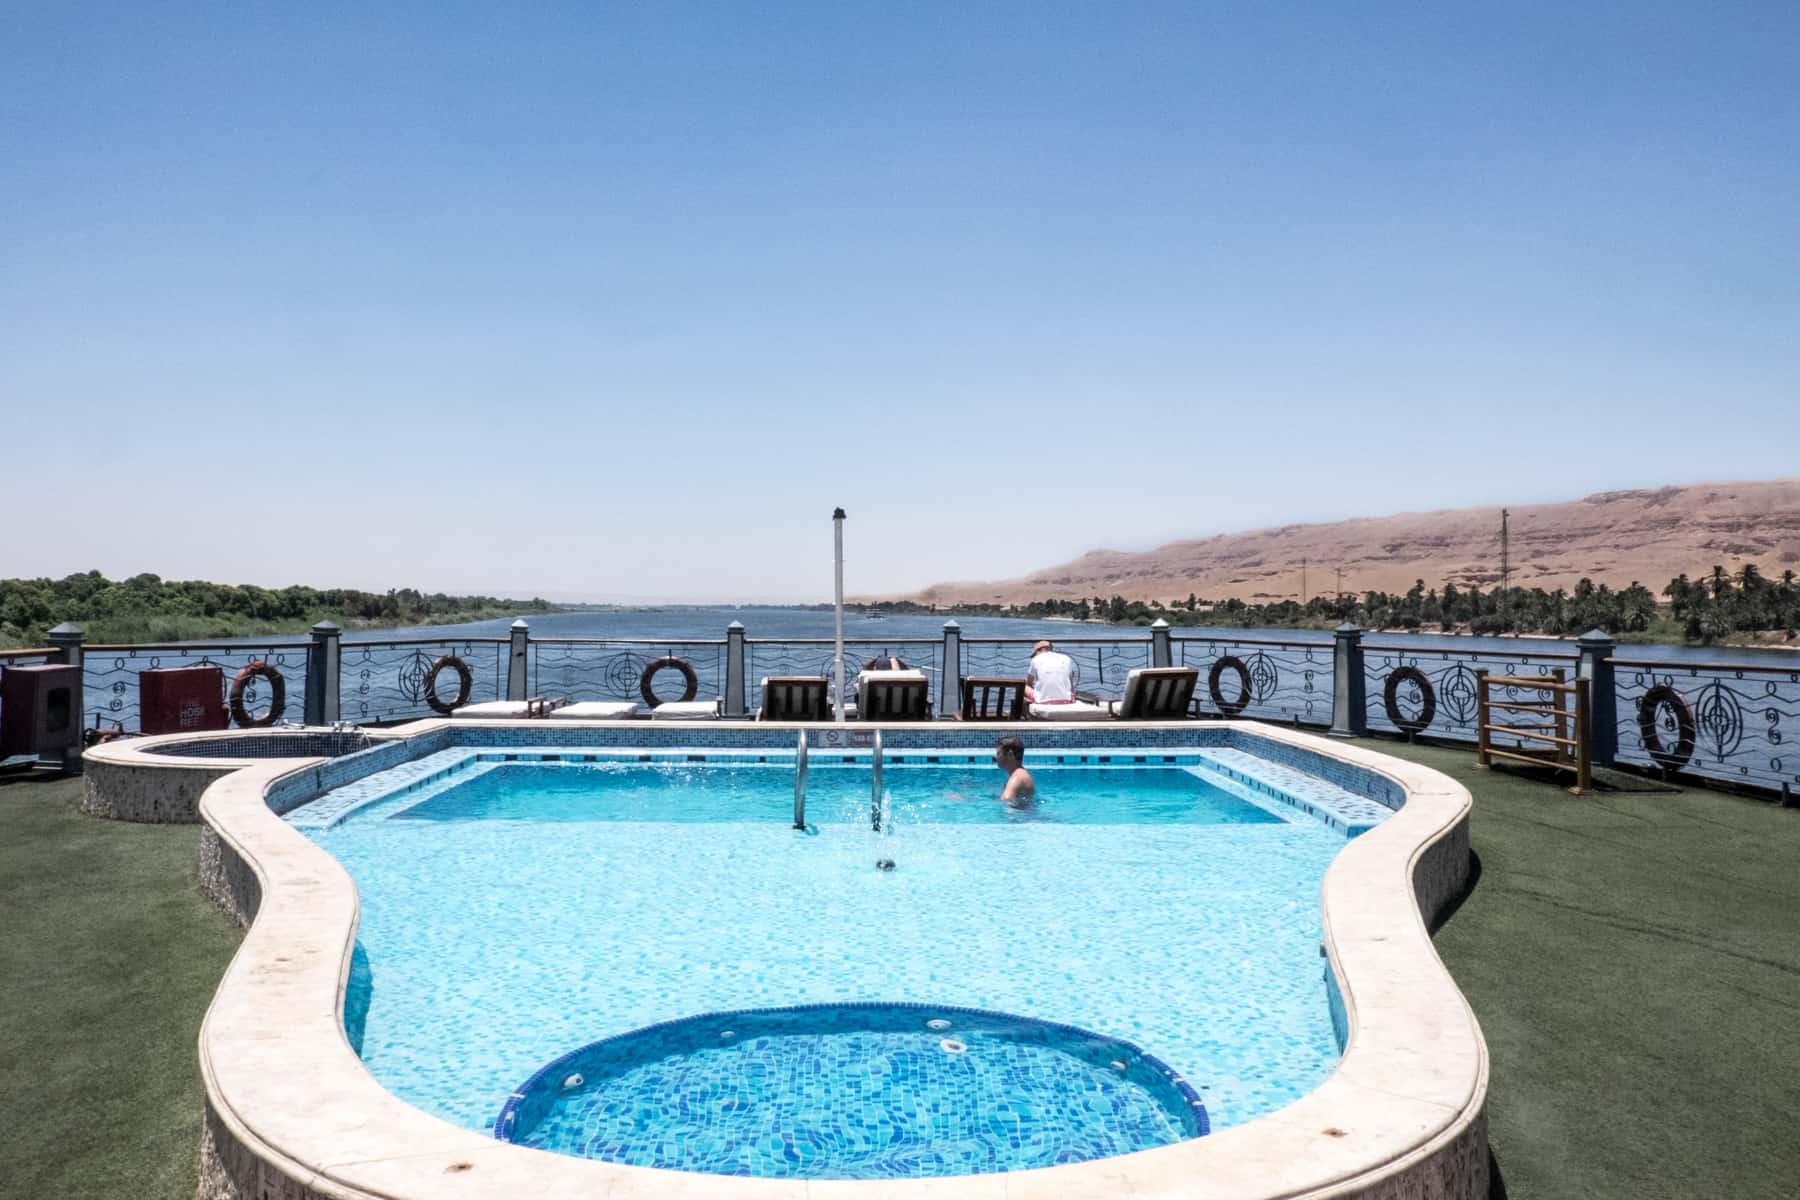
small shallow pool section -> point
(854, 1091)
(1156, 909)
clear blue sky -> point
(622, 299)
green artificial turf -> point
(1634, 959)
(109, 953)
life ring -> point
(1230, 662)
(277, 695)
(1655, 698)
(1391, 701)
(691, 682)
(465, 680)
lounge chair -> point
(515, 710)
(893, 696)
(1157, 694)
(686, 710)
(795, 698)
(988, 699)
(596, 710)
(1085, 708)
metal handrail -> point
(875, 786)
(1323, 644)
(433, 641)
(800, 783)
(857, 641)
(1674, 664)
(624, 641)
(1071, 641)
(30, 652)
(208, 646)
(1421, 651)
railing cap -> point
(67, 629)
(326, 629)
(1159, 623)
(951, 626)
(520, 624)
(1595, 637)
(1347, 628)
(735, 627)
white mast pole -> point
(837, 670)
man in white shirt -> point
(1051, 677)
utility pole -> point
(1505, 571)
(1303, 581)
(1340, 582)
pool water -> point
(524, 910)
(853, 1091)
(950, 795)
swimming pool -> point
(517, 906)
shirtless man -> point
(1009, 756)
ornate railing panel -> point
(26, 658)
(1100, 664)
(385, 681)
(1433, 691)
(1721, 722)
(109, 676)
(601, 670)
(813, 656)
(1283, 681)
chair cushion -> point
(1076, 711)
(596, 710)
(493, 708)
(689, 710)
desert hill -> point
(1611, 537)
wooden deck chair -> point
(988, 699)
(1157, 694)
(893, 696)
(795, 698)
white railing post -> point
(322, 667)
(950, 687)
(1349, 706)
(516, 688)
(734, 670)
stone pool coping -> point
(292, 1112)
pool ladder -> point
(800, 767)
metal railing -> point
(585, 669)
(109, 676)
(1726, 721)
(387, 681)
(1723, 721)
(1258, 677)
(1434, 692)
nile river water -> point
(679, 624)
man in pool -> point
(1020, 789)
(1009, 756)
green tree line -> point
(148, 608)
(1719, 606)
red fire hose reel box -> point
(181, 699)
